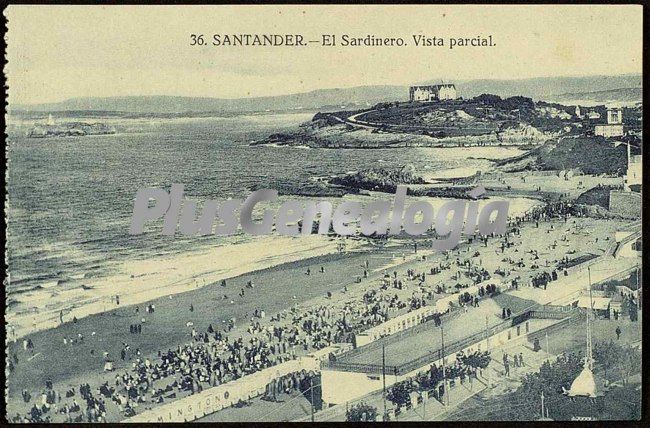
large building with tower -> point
(433, 93)
(614, 125)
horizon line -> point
(329, 89)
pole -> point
(444, 372)
(383, 373)
(311, 388)
(542, 403)
(591, 307)
(487, 343)
(548, 348)
(424, 407)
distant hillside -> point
(537, 88)
(621, 95)
(335, 98)
(546, 88)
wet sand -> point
(138, 281)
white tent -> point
(584, 385)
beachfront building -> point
(403, 353)
(433, 93)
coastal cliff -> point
(483, 121)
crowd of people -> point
(217, 355)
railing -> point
(452, 348)
(632, 237)
(557, 326)
(362, 367)
(554, 315)
(547, 311)
(394, 337)
(477, 337)
(542, 311)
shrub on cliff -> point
(380, 179)
(592, 155)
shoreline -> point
(137, 281)
(167, 328)
(278, 288)
(177, 274)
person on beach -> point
(295, 329)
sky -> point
(60, 52)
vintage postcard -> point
(323, 213)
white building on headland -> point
(433, 92)
(614, 125)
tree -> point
(361, 412)
(487, 99)
(622, 358)
(630, 363)
(634, 315)
(476, 360)
(611, 289)
(400, 393)
(550, 379)
(606, 354)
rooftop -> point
(425, 339)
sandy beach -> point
(276, 289)
(140, 281)
(137, 281)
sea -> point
(70, 199)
